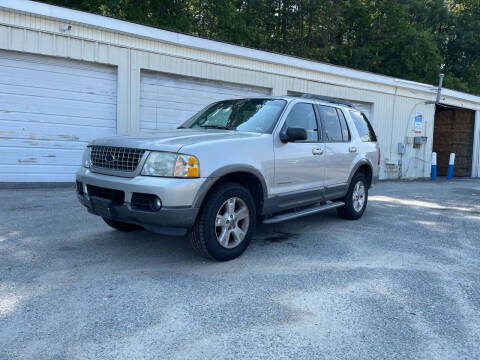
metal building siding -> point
(166, 101)
(392, 105)
(49, 109)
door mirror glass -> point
(294, 134)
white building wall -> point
(394, 105)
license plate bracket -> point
(102, 207)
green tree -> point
(403, 38)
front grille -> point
(115, 158)
(117, 196)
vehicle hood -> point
(172, 140)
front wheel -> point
(225, 225)
(356, 198)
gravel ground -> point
(403, 282)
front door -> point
(298, 171)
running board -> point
(304, 212)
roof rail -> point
(327, 99)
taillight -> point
(379, 157)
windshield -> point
(254, 115)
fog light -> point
(157, 203)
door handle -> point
(352, 149)
(317, 151)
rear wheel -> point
(225, 225)
(356, 198)
(118, 225)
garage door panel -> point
(189, 83)
(167, 100)
(56, 119)
(49, 109)
(69, 94)
(38, 131)
(36, 177)
(19, 156)
(153, 126)
(55, 81)
(44, 64)
(178, 98)
(50, 144)
(34, 104)
(199, 95)
(40, 169)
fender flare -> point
(361, 162)
(213, 178)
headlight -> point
(171, 165)
(86, 160)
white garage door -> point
(49, 109)
(169, 100)
(366, 108)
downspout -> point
(393, 124)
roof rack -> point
(327, 99)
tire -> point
(351, 211)
(214, 220)
(117, 225)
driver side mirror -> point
(292, 134)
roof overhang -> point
(137, 30)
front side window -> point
(253, 115)
(331, 123)
(303, 116)
(365, 130)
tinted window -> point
(331, 123)
(363, 126)
(343, 123)
(255, 115)
(303, 116)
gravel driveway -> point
(403, 282)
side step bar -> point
(304, 212)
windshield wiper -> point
(214, 127)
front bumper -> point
(176, 215)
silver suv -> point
(235, 162)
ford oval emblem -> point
(109, 158)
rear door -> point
(298, 164)
(340, 152)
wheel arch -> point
(245, 175)
(364, 166)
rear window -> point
(365, 130)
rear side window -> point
(343, 123)
(331, 123)
(363, 126)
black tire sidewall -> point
(209, 214)
(348, 211)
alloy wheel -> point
(231, 223)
